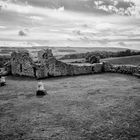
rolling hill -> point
(130, 60)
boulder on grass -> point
(2, 81)
(40, 89)
(41, 92)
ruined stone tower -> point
(22, 63)
(45, 54)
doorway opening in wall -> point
(20, 67)
(34, 69)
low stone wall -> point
(54, 68)
(46, 65)
(124, 69)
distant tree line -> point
(101, 54)
(107, 54)
(92, 59)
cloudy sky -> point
(61, 23)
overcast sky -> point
(34, 23)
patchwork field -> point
(130, 60)
(94, 107)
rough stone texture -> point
(53, 68)
(125, 69)
(7, 68)
(22, 64)
(46, 65)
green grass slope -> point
(94, 107)
(129, 60)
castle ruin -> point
(46, 65)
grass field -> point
(94, 107)
(130, 60)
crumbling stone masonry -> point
(22, 64)
(45, 65)
(124, 69)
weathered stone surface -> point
(125, 69)
(22, 64)
(54, 68)
(46, 65)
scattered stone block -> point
(2, 81)
(40, 89)
(41, 92)
(137, 75)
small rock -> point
(2, 81)
(40, 89)
(41, 93)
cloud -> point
(23, 32)
(103, 26)
(16, 7)
(122, 43)
(61, 9)
(60, 13)
(38, 18)
(2, 27)
(52, 26)
(77, 32)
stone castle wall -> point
(54, 68)
(124, 69)
(21, 64)
(47, 66)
